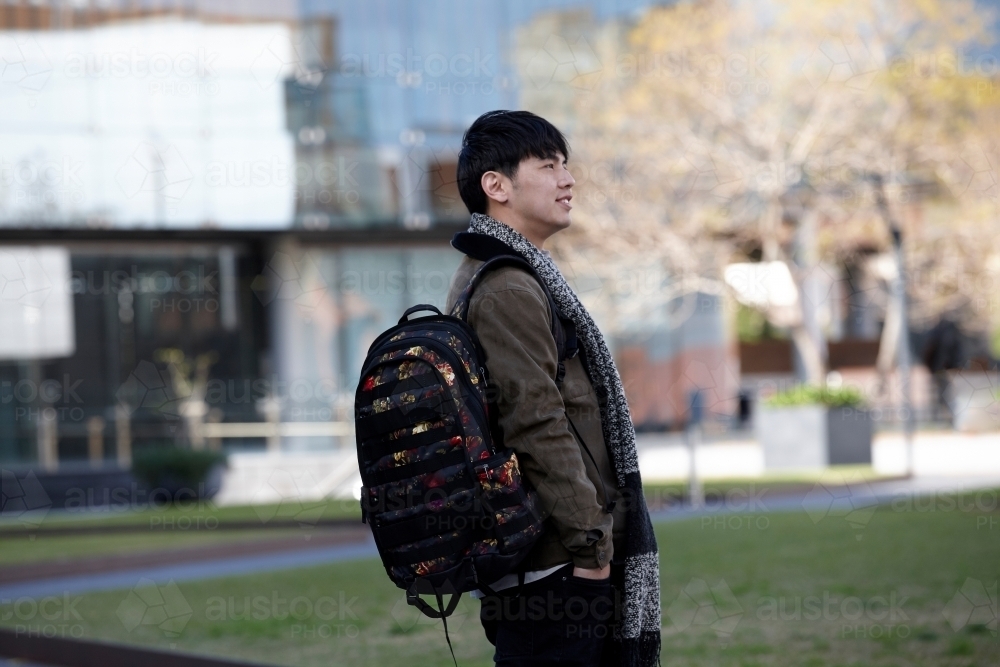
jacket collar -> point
(481, 246)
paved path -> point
(665, 456)
(821, 500)
(229, 567)
(117, 562)
(842, 497)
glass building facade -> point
(245, 194)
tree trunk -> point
(810, 354)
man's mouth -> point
(565, 201)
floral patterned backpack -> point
(445, 499)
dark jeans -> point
(558, 620)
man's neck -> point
(518, 224)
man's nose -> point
(567, 180)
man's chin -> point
(552, 225)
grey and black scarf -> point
(639, 630)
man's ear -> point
(496, 186)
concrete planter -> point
(813, 436)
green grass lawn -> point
(778, 589)
(194, 523)
(204, 515)
(660, 494)
(189, 515)
(169, 527)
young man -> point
(589, 591)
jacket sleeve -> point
(512, 319)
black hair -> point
(499, 141)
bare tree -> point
(720, 131)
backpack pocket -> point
(511, 503)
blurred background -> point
(785, 221)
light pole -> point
(696, 496)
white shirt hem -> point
(510, 580)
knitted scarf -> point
(638, 634)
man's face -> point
(541, 193)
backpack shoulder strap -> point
(461, 307)
(563, 330)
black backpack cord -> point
(444, 621)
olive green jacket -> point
(511, 316)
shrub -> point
(804, 394)
(174, 468)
